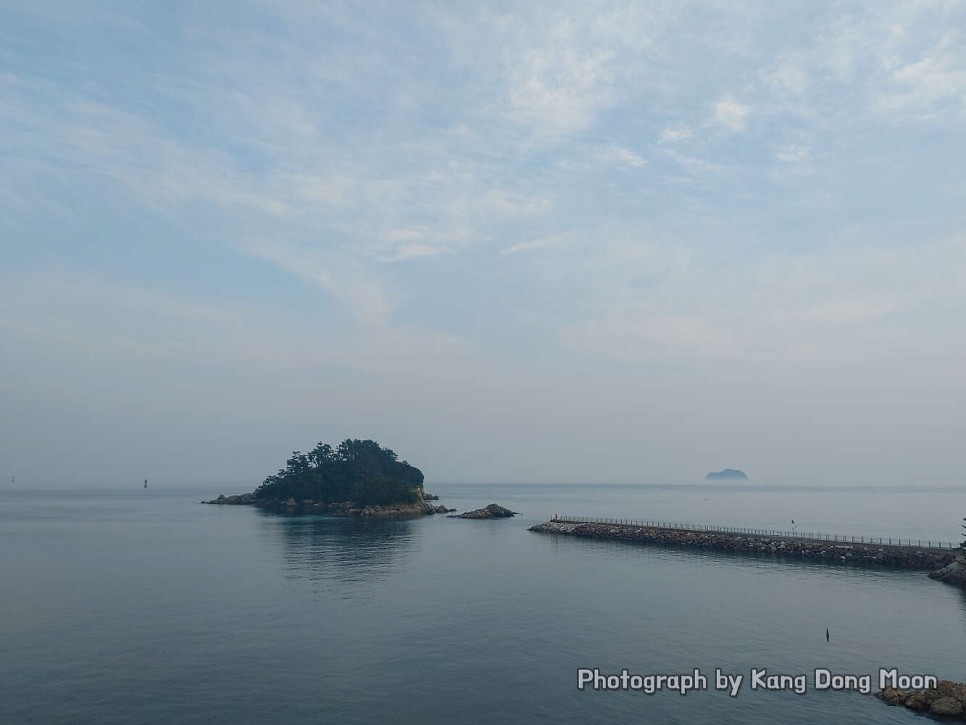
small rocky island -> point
(493, 511)
(357, 478)
(727, 474)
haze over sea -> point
(133, 605)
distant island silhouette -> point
(728, 474)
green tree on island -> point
(360, 471)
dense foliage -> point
(362, 472)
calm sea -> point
(141, 606)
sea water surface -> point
(141, 606)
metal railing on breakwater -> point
(810, 536)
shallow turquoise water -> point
(142, 606)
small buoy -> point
(826, 634)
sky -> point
(569, 242)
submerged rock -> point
(493, 511)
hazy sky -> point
(512, 241)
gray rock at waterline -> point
(953, 573)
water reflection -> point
(342, 550)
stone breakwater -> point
(814, 550)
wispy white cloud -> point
(348, 282)
(559, 88)
(104, 319)
(793, 154)
(630, 158)
(413, 250)
(929, 85)
(134, 152)
(97, 316)
(695, 165)
(409, 351)
(559, 68)
(846, 311)
(671, 134)
(638, 333)
(549, 242)
(662, 303)
(795, 160)
(731, 113)
(787, 77)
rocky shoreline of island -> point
(342, 508)
(854, 553)
(348, 508)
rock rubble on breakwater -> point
(947, 700)
(907, 557)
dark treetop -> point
(359, 471)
